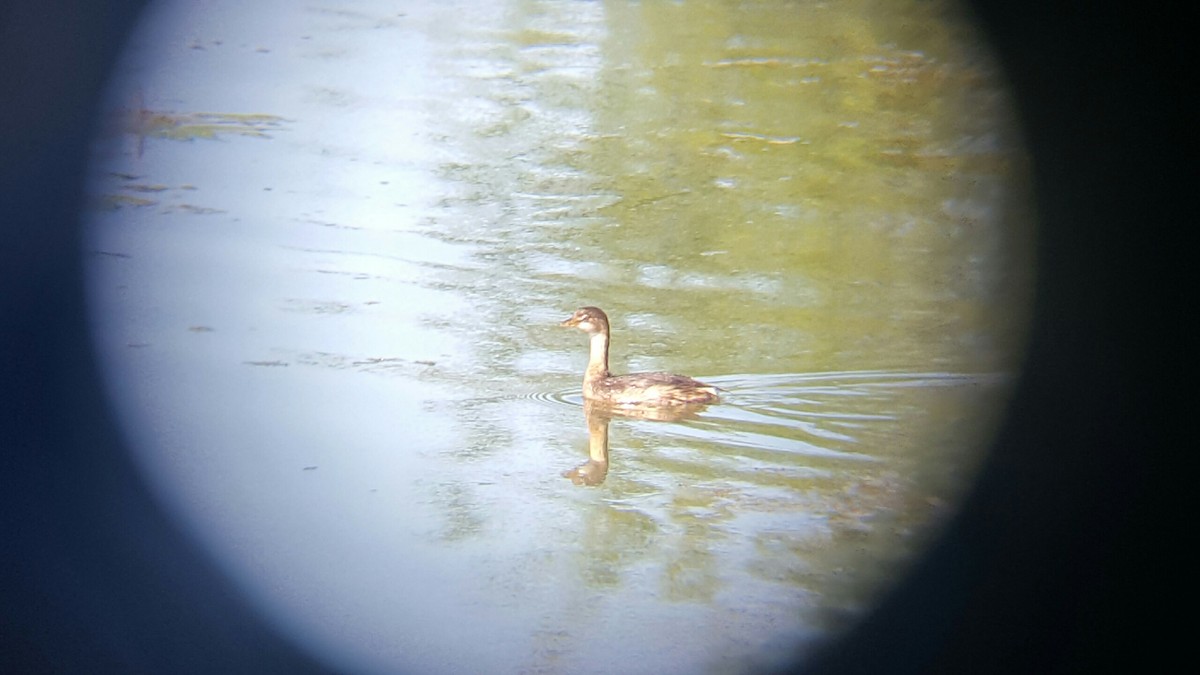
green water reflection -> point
(778, 189)
(752, 192)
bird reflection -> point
(598, 414)
(595, 469)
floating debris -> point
(198, 210)
(766, 62)
(142, 122)
(114, 202)
(772, 140)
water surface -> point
(330, 247)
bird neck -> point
(598, 357)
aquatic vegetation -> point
(142, 122)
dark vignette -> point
(1054, 565)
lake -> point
(329, 247)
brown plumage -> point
(637, 389)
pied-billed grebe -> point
(638, 389)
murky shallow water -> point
(331, 246)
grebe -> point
(638, 389)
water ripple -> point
(771, 422)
